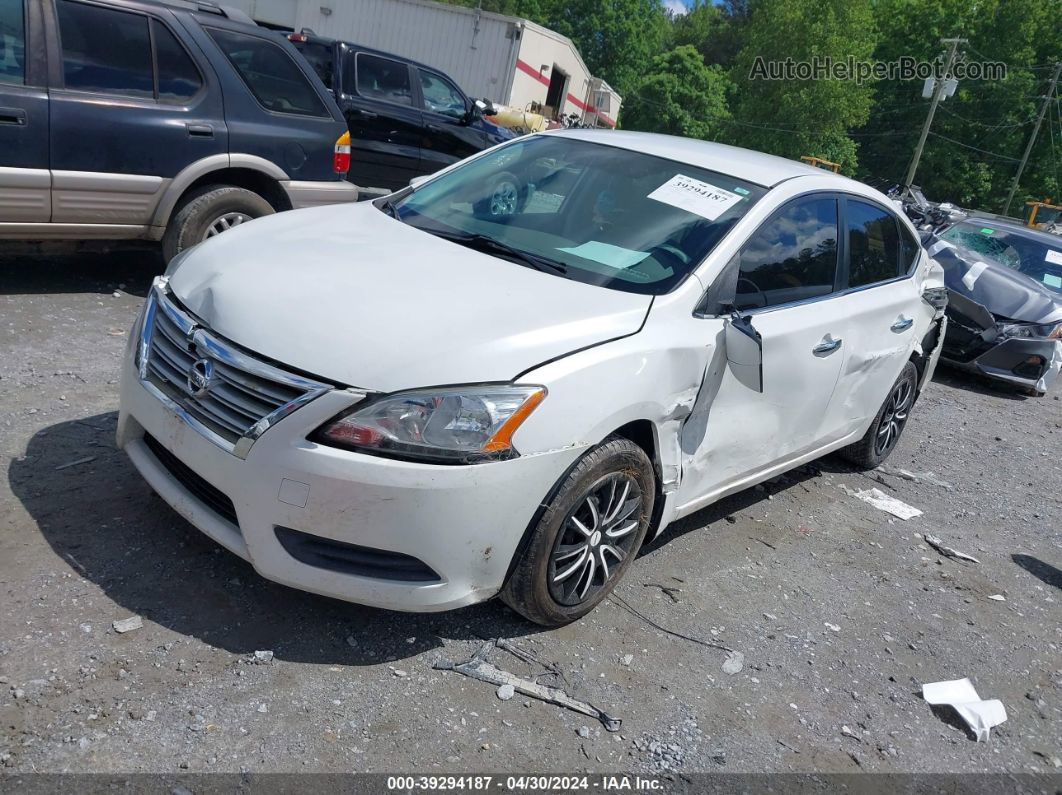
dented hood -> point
(1003, 291)
(351, 295)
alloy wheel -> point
(224, 223)
(503, 200)
(595, 539)
(894, 417)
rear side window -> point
(873, 244)
(382, 78)
(273, 77)
(12, 42)
(319, 56)
(792, 258)
(105, 50)
(179, 80)
(441, 96)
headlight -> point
(460, 424)
(1051, 331)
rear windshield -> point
(1025, 254)
(274, 78)
(598, 214)
(319, 56)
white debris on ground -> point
(127, 624)
(960, 694)
(883, 502)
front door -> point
(786, 282)
(25, 183)
(448, 136)
(133, 109)
(385, 123)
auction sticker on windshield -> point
(1053, 256)
(695, 196)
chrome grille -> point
(237, 397)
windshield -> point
(1027, 255)
(584, 211)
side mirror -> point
(744, 351)
(416, 182)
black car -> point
(165, 120)
(406, 119)
(1004, 285)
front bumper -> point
(1030, 363)
(315, 194)
(464, 522)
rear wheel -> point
(881, 438)
(209, 212)
(587, 537)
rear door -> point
(385, 122)
(447, 135)
(882, 299)
(25, 182)
(786, 284)
(132, 105)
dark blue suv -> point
(159, 120)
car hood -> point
(1003, 291)
(351, 295)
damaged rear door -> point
(883, 301)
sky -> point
(677, 7)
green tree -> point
(803, 117)
(680, 95)
(715, 31)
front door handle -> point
(434, 128)
(368, 114)
(13, 116)
(902, 324)
(826, 346)
(200, 130)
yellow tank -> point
(517, 119)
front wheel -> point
(884, 432)
(587, 537)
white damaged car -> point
(505, 379)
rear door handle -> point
(902, 324)
(826, 346)
(368, 114)
(13, 116)
(200, 130)
(433, 128)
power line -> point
(982, 151)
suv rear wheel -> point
(210, 211)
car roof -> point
(207, 6)
(757, 167)
(1014, 227)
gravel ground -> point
(840, 611)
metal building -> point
(505, 59)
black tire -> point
(200, 210)
(880, 439)
(592, 490)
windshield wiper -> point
(388, 207)
(488, 245)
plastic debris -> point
(916, 477)
(263, 657)
(127, 624)
(478, 668)
(998, 597)
(735, 661)
(946, 551)
(883, 502)
(960, 695)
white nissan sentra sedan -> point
(505, 379)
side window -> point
(873, 244)
(909, 248)
(12, 42)
(441, 96)
(319, 56)
(105, 50)
(382, 78)
(792, 258)
(179, 80)
(273, 77)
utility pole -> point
(1032, 138)
(938, 92)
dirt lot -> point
(841, 612)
